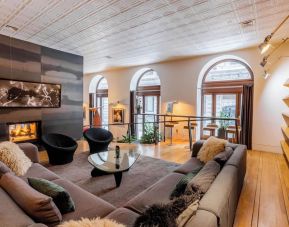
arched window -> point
(147, 98)
(222, 88)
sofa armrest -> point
(30, 150)
(196, 147)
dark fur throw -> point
(165, 215)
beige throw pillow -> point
(187, 214)
(97, 222)
(14, 158)
(211, 148)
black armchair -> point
(98, 139)
(60, 148)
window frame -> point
(215, 88)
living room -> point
(144, 113)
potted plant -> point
(223, 124)
(150, 134)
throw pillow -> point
(39, 207)
(3, 169)
(182, 184)
(203, 180)
(211, 148)
(60, 196)
(223, 157)
(97, 222)
(14, 158)
(165, 215)
(187, 214)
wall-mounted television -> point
(14, 93)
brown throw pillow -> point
(211, 148)
(224, 156)
(204, 178)
(3, 169)
(39, 207)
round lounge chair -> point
(60, 148)
(98, 139)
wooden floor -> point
(264, 200)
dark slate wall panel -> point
(25, 61)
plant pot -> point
(221, 133)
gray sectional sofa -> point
(217, 207)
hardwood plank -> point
(272, 211)
(247, 199)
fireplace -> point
(24, 131)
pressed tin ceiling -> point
(120, 33)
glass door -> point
(150, 105)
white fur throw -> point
(211, 148)
(14, 158)
(96, 222)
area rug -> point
(144, 173)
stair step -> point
(285, 131)
(286, 84)
(286, 118)
(285, 148)
(286, 100)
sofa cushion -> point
(203, 218)
(10, 211)
(39, 171)
(14, 158)
(211, 148)
(189, 166)
(38, 206)
(60, 196)
(157, 193)
(182, 184)
(124, 216)
(222, 197)
(87, 205)
(30, 150)
(4, 169)
(205, 177)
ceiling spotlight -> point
(264, 61)
(108, 57)
(265, 45)
(266, 75)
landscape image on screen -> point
(29, 94)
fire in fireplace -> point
(23, 131)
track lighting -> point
(264, 61)
(266, 45)
(266, 75)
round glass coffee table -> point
(108, 162)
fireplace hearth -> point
(24, 131)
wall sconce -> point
(266, 45)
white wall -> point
(179, 82)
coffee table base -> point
(117, 176)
